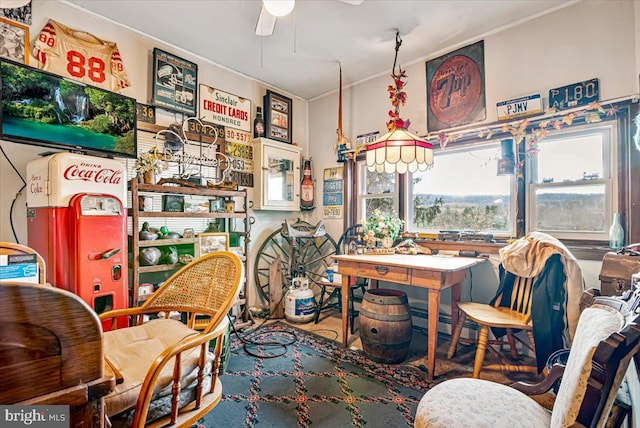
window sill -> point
(580, 251)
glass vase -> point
(616, 233)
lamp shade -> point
(399, 151)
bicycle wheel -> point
(311, 254)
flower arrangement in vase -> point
(381, 228)
(149, 164)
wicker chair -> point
(606, 339)
(166, 374)
(7, 248)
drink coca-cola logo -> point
(95, 173)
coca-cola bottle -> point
(307, 191)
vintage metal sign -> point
(240, 157)
(145, 113)
(333, 184)
(174, 82)
(523, 106)
(456, 88)
(364, 139)
(574, 95)
(224, 109)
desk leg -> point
(345, 309)
(432, 334)
(456, 291)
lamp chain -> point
(398, 43)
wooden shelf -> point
(165, 242)
(170, 214)
(135, 243)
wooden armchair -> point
(606, 339)
(51, 352)
(166, 374)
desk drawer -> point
(383, 273)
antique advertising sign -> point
(455, 88)
(333, 184)
(174, 83)
(224, 109)
(523, 106)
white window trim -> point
(363, 197)
(610, 180)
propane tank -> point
(299, 301)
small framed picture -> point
(14, 41)
(278, 115)
(212, 242)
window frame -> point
(610, 165)
(362, 197)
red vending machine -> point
(77, 222)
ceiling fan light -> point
(279, 7)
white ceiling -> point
(301, 57)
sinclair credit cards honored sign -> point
(224, 109)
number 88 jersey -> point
(81, 56)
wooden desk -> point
(435, 273)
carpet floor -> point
(314, 383)
(317, 383)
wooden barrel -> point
(385, 325)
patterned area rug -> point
(315, 383)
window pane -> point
(571, 193)
(379, 183)
(570, 208)
(462, 192)
(385, 205)
(376, 191)
(573, 158)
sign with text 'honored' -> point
(524, 106)
(224, 109)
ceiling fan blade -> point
(266, 23)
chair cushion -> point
(132, 351)
(477, 403)
(596, 324)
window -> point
(462, 192)
(571, 189)
(570, 186)
(376, 191)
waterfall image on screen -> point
(44, 109)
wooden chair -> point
(514, 314)
(326, 297)
(166, 376)
(606, 339)
(7, 248)
(51, 352)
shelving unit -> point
(138, 216)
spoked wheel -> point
(312, 255)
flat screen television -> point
(40, 108)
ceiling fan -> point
(272, 9)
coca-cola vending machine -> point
(77, 222)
